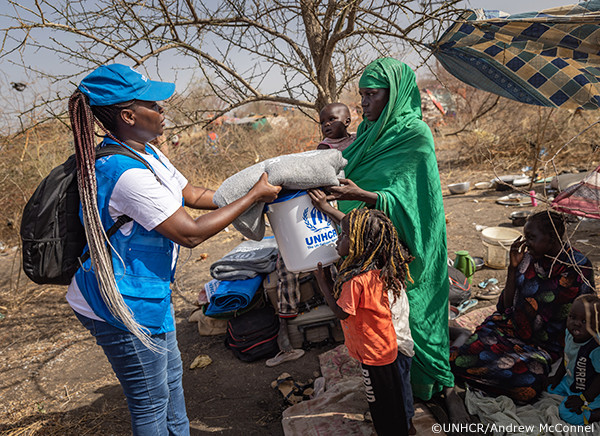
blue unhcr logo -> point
(320, 224)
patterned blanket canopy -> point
(582, 199)
(547, 58)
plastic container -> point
(304, 234)
(533, 198)
(497, 242)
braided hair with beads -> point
(83, 119)
(373, 244)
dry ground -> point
(55, 381)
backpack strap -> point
(123, 219)
(108, 150)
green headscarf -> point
(404, 105)
(394, 157)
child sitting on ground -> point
(369, 296)
(578, 380)
(335, 119)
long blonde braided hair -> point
(82, 123)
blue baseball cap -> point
(116, 83)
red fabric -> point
(339, 143)
(582, 199)
(369, 332)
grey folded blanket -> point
(247, 260)
(311, 169)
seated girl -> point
(512, 351)
(578, 380)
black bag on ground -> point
(460, 288)
(52, 235)
(253, 335)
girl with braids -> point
(122, 292)
(368, 295)
(578, 379)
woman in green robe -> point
(392, 167)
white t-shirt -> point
(138, 195)
(400, 310)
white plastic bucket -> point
(497, 242)
(304, 234)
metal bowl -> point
(521, 181)
(504, 183)
(478, 263)
(483, 185)
(519, 218)
(459, 188)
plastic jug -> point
(465, 264)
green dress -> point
(395, 158)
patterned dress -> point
(511, 352)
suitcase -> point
(316, 328)
(310, 295)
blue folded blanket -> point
(229, 296)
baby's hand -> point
(554, 381)
(574, 403)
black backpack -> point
(460, 288)
(253, 335)
(52, 235)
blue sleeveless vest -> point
(142, 261)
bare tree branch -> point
(314, 48)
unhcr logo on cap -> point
(144, 78)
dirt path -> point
(55, 381)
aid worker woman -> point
(122, 294)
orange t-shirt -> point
(369, 332)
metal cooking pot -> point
(519, 218)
